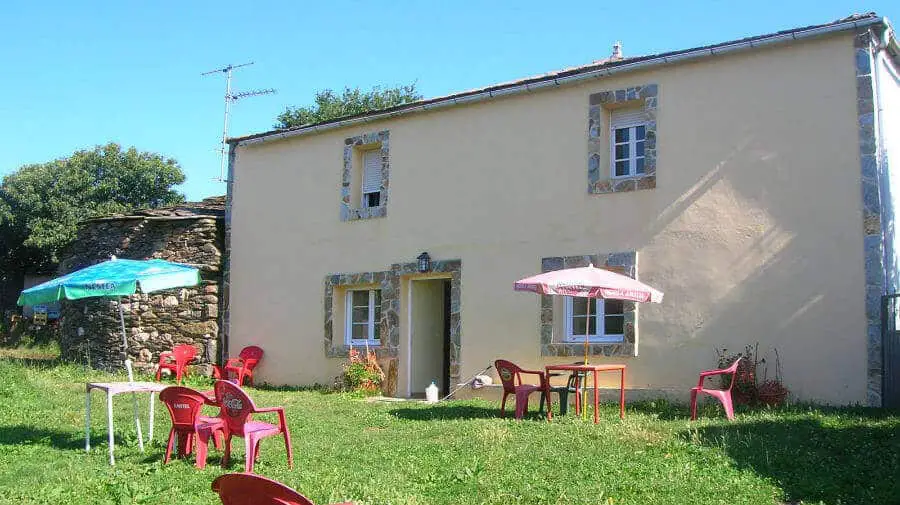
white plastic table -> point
(112, 389)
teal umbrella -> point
(113, 278)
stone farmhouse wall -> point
(191, 234)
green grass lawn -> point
(453, 453)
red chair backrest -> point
(251, 356)
(251, 489)
(184, 353)
(509, 374)
(236, 405)
(184, 405)
(733, 371)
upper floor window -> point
(628, 132)
(363, 313)
(371, 178)
(602, 321)
(365, 178)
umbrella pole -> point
(587, 329)
(587, 333)
(124, 341)
(137, 419)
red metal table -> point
(594, 370)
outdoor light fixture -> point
(424, 262)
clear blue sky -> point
(78, 74)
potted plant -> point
(772, 392)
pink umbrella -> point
(589, 282)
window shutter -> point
(627, 117)
(371, 171)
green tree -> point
(41, 204)
(330, 105)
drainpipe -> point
(225, 291)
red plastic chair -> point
(184, 406)
(250, 489)
(724, 395)
(511, 377)
(236, 410)
(242, 366)
(176, 361)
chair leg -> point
(563, 402)
(543, 399)
(226, 456)
(249, 453)
(169, 445)
(729, 406)
(217, 437)
(503, 404)
(287, 447)
(158, 372)
(521, 405)
(202, 447)
(693, 405)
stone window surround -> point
(622, 262)
(600, 179)
(389, 281)
(353, 211)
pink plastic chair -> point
(250, 489)
(184, 406)
(724, 395)
(511, 377)
(176, 361)
(236, 410)
(242, 366)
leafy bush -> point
(362, 374)
(745, 390)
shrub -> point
(362, 373)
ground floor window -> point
(600, 320)
(363, 317)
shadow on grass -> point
(29, 435)
(36, 360)
(317, 388)
(445, 412)
(812, 462)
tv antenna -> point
(231, 97)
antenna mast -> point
(231, 97)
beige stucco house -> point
(747, 180)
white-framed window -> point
(371, 178)
(627, 136)
(363, 317)
(602, 320)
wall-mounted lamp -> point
(423, 263)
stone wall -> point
(155, 322)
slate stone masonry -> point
(872, 174)
(155, 322)
(389, 282)
(352, 211)
(600, 179)
(624, 263)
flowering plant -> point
(362, 373)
